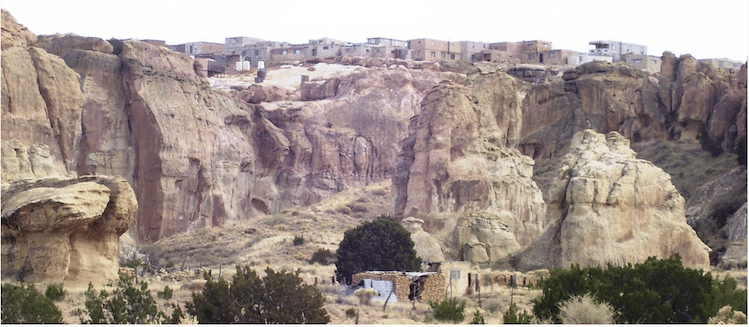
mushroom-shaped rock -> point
(57, 229)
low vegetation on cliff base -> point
(280, 297)
(381, 244)
(129, 303)
(656, 291)
(24, 304)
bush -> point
(280, 297)
(298, 240)
(128, 304)
(27, 305)
(478, 318)
(726, 316)
(381, 244)
(55, 292)
(365, 295)
(512, 316)
(655, 291)
(350, 313)
(166, 294)
(322, 257)
(584, 310)
(449, 310)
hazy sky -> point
(704, 28)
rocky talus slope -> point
(609, 207)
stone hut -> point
(423, 286)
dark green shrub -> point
(55, 292)
(478, 318)
(449, 310)
(27, 305)
(513, 316)
(127, 304)
(166, 294)
(279, 297)
(323, 257)
(381, 244)
(655, 291)
(298, 240)
(350, 313)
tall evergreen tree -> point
(381, 244)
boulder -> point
(65, 229)
(427, 246)
(609, 208)
(486, 237)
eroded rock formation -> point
(608, 207)
(458, 161)
(688, 100)
(65, 229)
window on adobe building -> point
(326, 47)
(531, 56)
(552, 55)
(442, 55)
(297, 51)
(257, 52)
(433, 54)
(452, 56)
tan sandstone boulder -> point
(427, 247)
(65, 229)
(609, 207)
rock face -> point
(457, 161)
(195, 157)
(713, 206)
(608, 207)
(688, 100)
(62, 229)
(351, 138)
(736, 248)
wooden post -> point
(315, 280)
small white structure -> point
(384, 289)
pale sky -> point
(702, 28)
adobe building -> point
(647, 63)
(472, 51)
(616, 48)
(196, 48)
(434, 50)
(582, 58)
(552, 57)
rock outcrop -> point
(688, 100)
(458, 161)
(63, 229)
(608, 207)
(427, 247)
(194, 156)
(735, 255)
(712, 206)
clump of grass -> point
(298, 240)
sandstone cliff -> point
(688, 100)
(57, 229)
(195, 156)
(608, 207)
(458, 166)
